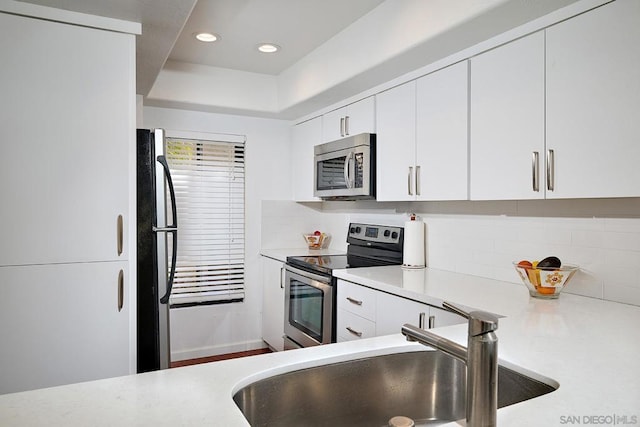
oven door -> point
(308, 319)
(344, 174)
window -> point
(208, 177)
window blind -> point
(209, 179)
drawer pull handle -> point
(354, 332)
(354, 301)
(535, 161)
(120, 290)
(551, 172)
(120, 234)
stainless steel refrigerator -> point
(157, 233)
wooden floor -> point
(219, 357)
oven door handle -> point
(313, 276)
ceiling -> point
(298, 26)
(331, 49)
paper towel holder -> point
(414, 250)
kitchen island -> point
(588, 347)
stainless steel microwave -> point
(345, 169)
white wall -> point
(217, 329)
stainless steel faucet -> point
(480, 356)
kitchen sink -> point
(426, 386)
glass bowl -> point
(546, 282)
(315, 241)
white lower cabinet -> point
(273, 303)
(352, 327)
(364, 312)
(63, 324)
(393, 312)
(356, 316)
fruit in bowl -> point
(315, 240)
(545, 278)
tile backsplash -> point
(483, 238)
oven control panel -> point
(376, 234)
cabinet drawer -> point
(350, 327)
(357, 299)
(394, 311)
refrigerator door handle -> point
(170, 228)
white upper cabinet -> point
(396, 143)
(552, 114)
(442, 141)
(507, 121)
(422, 141)
(67, 132)
(304, 137)
(593, 103)
(352, 119)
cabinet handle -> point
(432, 322)
(354, 332)
(347, 167)
(120, 234)
(120, 290)
(281, 273)
(551, 165)
(354, 301)
(346, 125)
(421, 319)
(409, 176)
(341, 126)
(535, 161)
(417, 180)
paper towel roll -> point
(414, 244)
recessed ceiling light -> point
(268, 48)
(207, 37)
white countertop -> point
(591, 348)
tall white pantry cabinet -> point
(67, 131)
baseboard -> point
(216, 350)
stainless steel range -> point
(310, 295)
